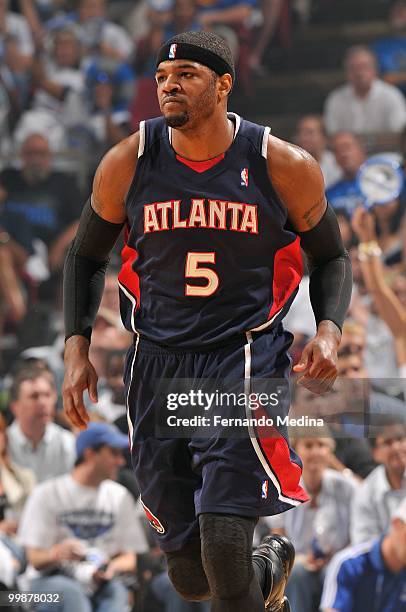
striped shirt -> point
(357, 580)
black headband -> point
(175, 51)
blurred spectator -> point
(321, 527)
(5, 109)
(351, 454)
(371, 576)
(99, 36)
(41, 207)
(353, 340)
(15, 27)
(311, 136)
(350, 154)
(365, 105)
(270, 12)
(16, 484)
(58, 79)
(184, 18)
(30, 10)
(387, 226)
(34, 440)
(82, 531)
(224, 12)
(112, 400)
(361, 395)
(344, 222)
(300, 319)
(108, 334)
(389, 307)
(382, 490)
(391, 52)
(110, 87)
(45, 9)
(231, 19)
(13, 258)
(110, 298)
(16, 51)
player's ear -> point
(224, 85)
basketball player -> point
(215, 211)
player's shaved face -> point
(186, 92)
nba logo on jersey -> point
(264, 488)
(172, 51)
(244, 177)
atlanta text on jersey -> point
(210, 214)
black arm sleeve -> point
(329, 268)
(84, 271)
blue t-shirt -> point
(345, 195)
(358, 579)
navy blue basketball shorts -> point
(222, 464)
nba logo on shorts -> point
(172, 51)
(244, 177)
(264, 489)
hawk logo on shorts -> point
(264, 490)
(172, 51)
(153, 521)
(244, 177)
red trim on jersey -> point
(288, 271)
(277, 453)
(127, 277)
(201, 166)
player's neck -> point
(208, 140)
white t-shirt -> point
(383, 110)
(105, 518)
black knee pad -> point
(226, 542)
(186, 572)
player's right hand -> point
(80, 376)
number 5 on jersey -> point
(193, 269)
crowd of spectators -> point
(75, 78)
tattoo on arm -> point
(313, 214)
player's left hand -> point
(318, 362)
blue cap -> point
(97, 434)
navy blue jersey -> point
(208, 255)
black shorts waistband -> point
(153, 348)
